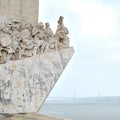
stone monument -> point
(32, 57)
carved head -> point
(60, 21)
(47, 24)
(16, 24)
(41, 26)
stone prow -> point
(26, 83)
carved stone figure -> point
(7, 28)
(38, 33)
(15, 46)
(27, 41)
(5, 41)
(50, 38)
(48, 32)
(14, 49)
(61, 34)
(16, 25)
(19, 40)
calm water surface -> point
(83, 111)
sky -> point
(94, 27)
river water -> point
(80, 111)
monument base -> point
(26, 83)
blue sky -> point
(94, 27)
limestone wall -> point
(27, 9)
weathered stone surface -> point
(19, 40)
(25, 83)
(20, 9)
(28, 117)
(32, 57)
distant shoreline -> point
(89, 100)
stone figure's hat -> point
(60, 19)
